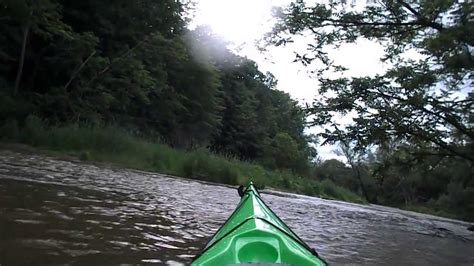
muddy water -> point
(58, 212)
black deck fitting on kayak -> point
(241, 191)
(314, 252)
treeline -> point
(394, 177)
(134, 64)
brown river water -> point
(67, 212)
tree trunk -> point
(26, 30)
(361, 183)
(73, 76)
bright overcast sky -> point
(243, 22)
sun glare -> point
(238, 21)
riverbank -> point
(113, 145)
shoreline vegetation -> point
(114, 145)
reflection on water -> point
(55, 212)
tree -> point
(355, 159)
(282, 152)
(24, 17)
(426, 102)
(338, 172)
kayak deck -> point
(254, 234)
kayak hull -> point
(254, 234)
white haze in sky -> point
(243, 22)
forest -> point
(77, 74)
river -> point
(56, 211)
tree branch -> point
(338, 22)
(411, 9)
(422, 20)
(73, 76)
(449, 120)
(123, 55)
(441, 144)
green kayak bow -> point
(254, 234)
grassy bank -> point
(111, 144)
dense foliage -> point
(418, 115)
(135, 65)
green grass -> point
(114, 145)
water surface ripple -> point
(65, 212)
